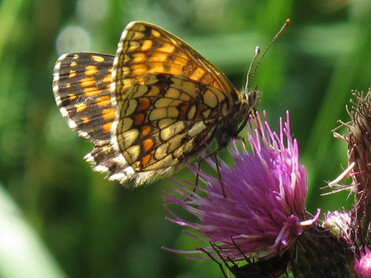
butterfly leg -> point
(198, 174)
(220, 175)
(215, 260)
(242, 140)
(239, 249)
(197, 179)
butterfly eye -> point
(253, 97)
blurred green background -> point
(60, 219)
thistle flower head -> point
(255, 208)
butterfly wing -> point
(81, 87)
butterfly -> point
(150, 108)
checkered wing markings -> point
(81, 88)
(169, 126)
(150, 58)
(147, 48)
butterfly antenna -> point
(249, 77)
(248, 80)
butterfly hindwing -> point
(81, 87)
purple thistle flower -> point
(255, 208)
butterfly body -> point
(150, 108)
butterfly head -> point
(252, 97)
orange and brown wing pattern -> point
(148, 49)
(81, 86)
(170, 100)
(163, 126)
